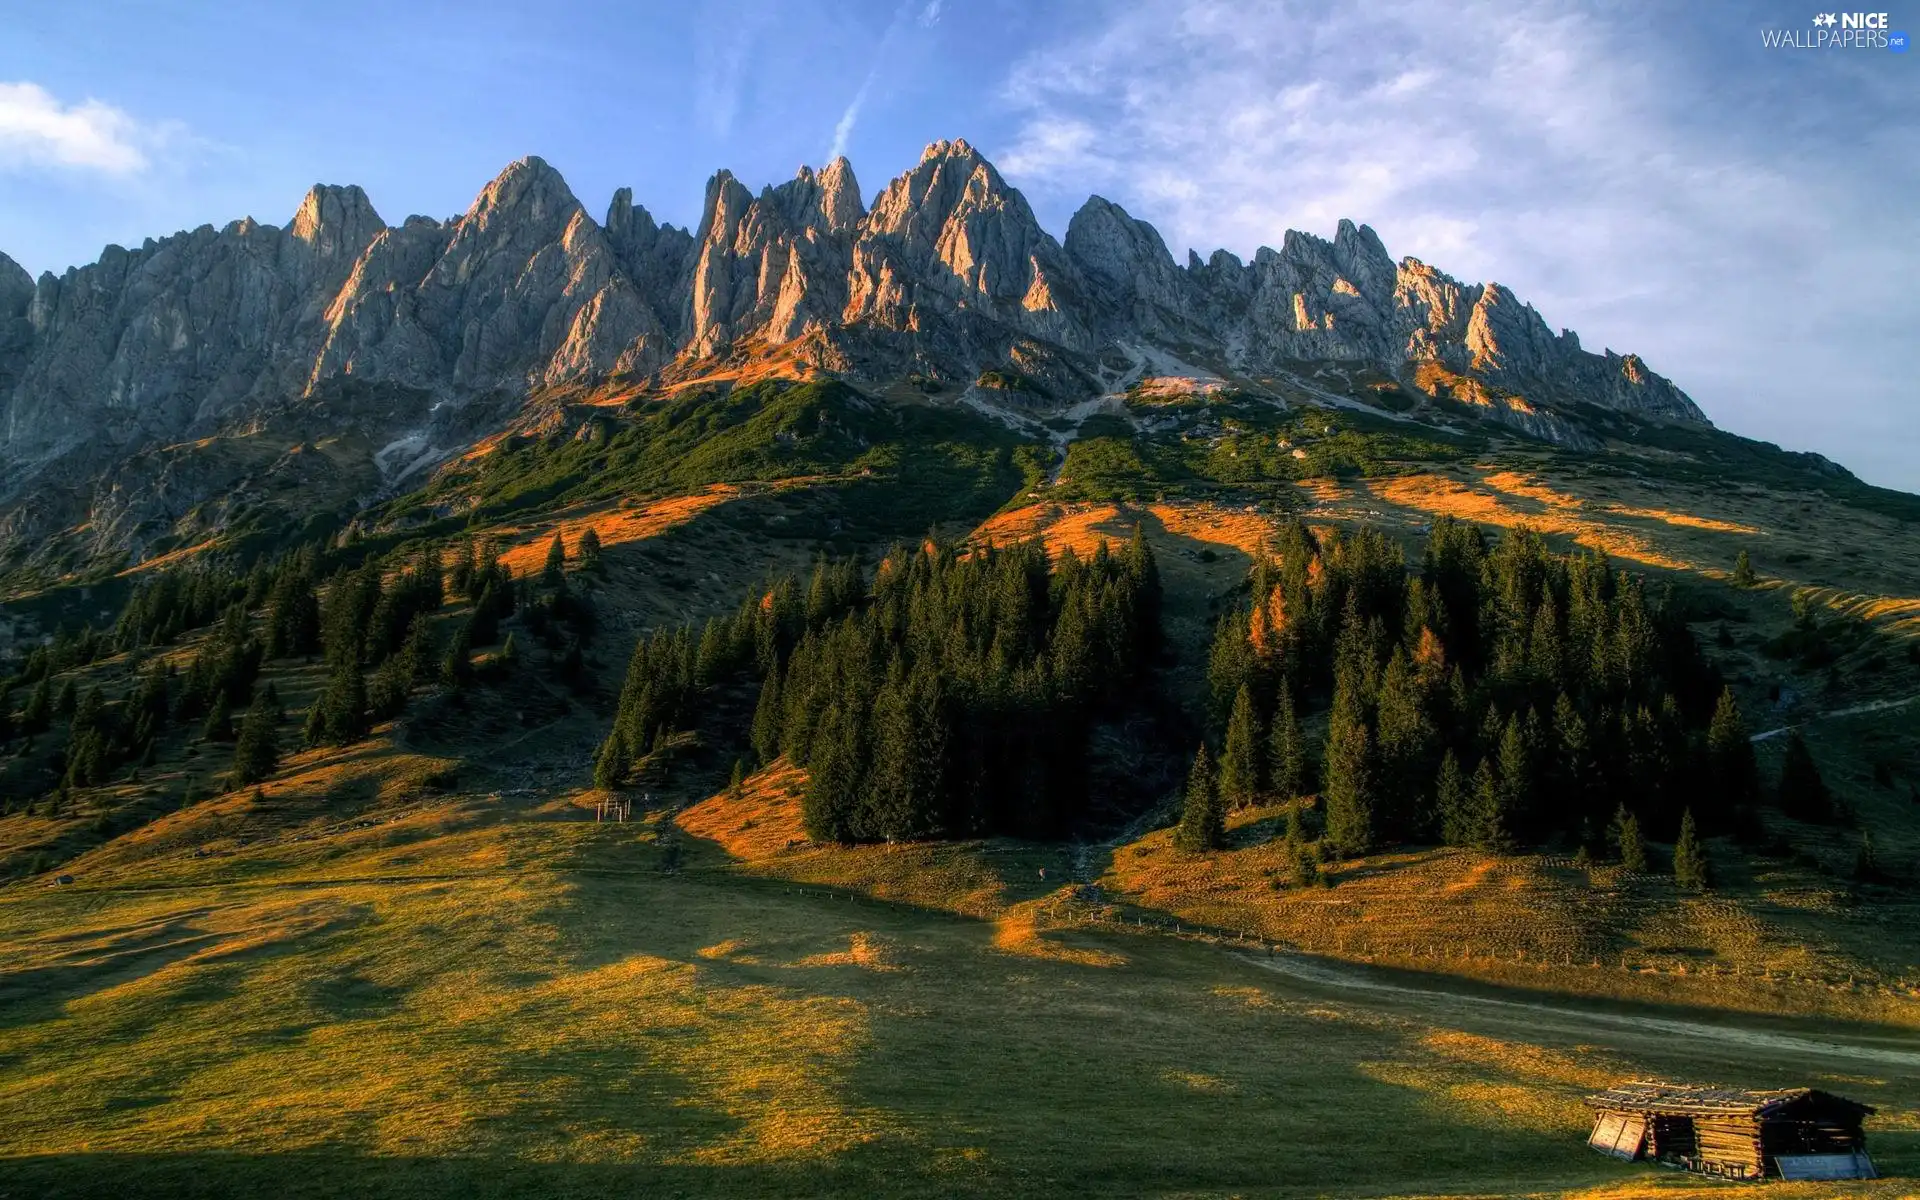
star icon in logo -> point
(1825, 19)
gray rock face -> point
(948, 272)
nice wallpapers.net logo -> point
(1839, 31)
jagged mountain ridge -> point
(947, 274)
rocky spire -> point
(335, 222)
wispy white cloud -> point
(843, 128)
(882, 59)
(38, 131)
(1579, 155)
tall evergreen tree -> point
(1690, 868)
(614, 762)
(1202, 824)
(768, 714)
(1743, 571)
(257, 751)
(1291, 775)
(1454, 800)
(1241, 774)
(1349, 792)
(1730, 761)
(1492, 823)
(554, 573)
(339, 714)
(1627, 841)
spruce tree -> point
(1291, 774)
(1240, 761)
(554, 573)
(1454, 800)
(614, 762)
(339, 715)
(38, 713)
(1802, 794)
(1349, 791)
(1730, 761)
(456, 670)
(1492, 824)
(1743, 571)
(1202, 824)
(1627, 842)
(589, 550)
(737, 782)
(1690, 869)
(830, 807)
(257, 751)
(768, 717)
(1517, 789)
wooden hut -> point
(1796, 1133)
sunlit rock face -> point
(947, 274)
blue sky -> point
(1647, 174)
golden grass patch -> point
(525, 551)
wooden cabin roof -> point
(1689, 1100)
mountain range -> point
(420, 338)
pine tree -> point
(1743, 571)
(38, 713)
(737, 782)
(1296, 834)
(1454, 800)
(554, 573)
(219, 723)
(1735, 775)
(1690, 868)
(830, 807)
(457, 668)
(257, 751)
(66, 700)
(1349, 791)
(1291, 770)
(768, 717)
(1517, 788)
(1802, 794)
(339, 715)
(614, 762)
(589, 550)
(1202, 824)
(1627, 841)
(1240, 766)
(1491, 826)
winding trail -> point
(1585, 1019)
(1856, 710)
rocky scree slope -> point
(417, 338)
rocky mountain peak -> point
(948, 273)
(337, 222)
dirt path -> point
(1584, 1020)
(1856, 710)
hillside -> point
(410, 790)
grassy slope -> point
(442, 977)
(454, 1003)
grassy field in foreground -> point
(563, 1017)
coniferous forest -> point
(947, 694)
(1497, 696)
